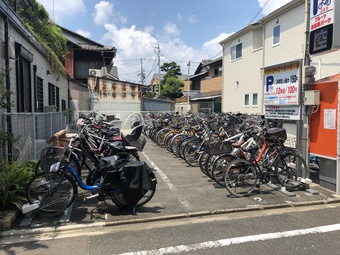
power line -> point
(261, 9)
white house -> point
(275, 45)
(278, 38)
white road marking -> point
(183, 201)
(236, 240)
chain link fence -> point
(31, 131)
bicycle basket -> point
(50, 158)
(276, 133)
(218, 147)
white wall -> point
(39, 59)
(248, 69)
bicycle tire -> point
(289, 167)
(168, 139)
(201, 161)
(183, 144)
(175, 141)
(192, 152)
(219, 168)
(208, 165)
(240, 178)
(160, 136)
(118, 198)
(55, 192)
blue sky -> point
(185, 30)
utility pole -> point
(304, 125)
(158, 52)
(188, 64)
(142, 76)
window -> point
(23, 77)
(236, 51)
(57, 101)
(63, 105)
(24, 86)
(218, 71)
(246, 100)
(40, 95)
(254, 102)
(51, 94)
(276, 35)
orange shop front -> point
(324, 132)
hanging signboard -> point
(324, 35)
(282, 91)
(282, 84)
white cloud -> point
(213, 47)
(192, 19)
(271, 5)
(133, 44)
(84, 33)
(103, 12)
(171, 29)
(148, 29)
(61, 9)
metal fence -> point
(34, 129)
(31, 130)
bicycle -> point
(56, 188)
(274, 159)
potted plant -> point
(13, 181)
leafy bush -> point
(13, 181)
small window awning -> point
(205, 97)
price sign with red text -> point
(282, 84)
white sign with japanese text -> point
(282, 112)
(321, 13)
(329, 119)
(282, 84)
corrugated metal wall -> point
(149, 104)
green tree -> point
(170, 84)
(171, 69)
(172, 87)
(150, 94)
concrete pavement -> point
(182, 192)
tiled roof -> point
(96, 48)
(207, 95)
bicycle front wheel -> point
(240, 178)
(289, 167)
(219, 167)
(55, 192)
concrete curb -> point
(75, 226)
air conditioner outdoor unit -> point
(95, 72)
(104, 71)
